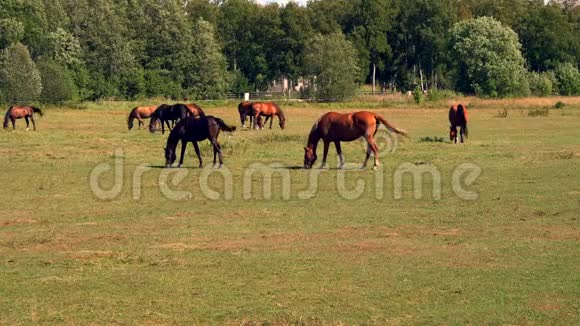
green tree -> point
(57, 82)
(11, 31)
(540, 84)
(19, 77)
(568, 79)
(331, 62)
(371, 24)
(208, 78)
(548, 37)
(488, 58)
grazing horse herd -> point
(189, 123)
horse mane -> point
(280, 113)
(313, 134)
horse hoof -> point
(375, 168)
(27, 129)
(341, 167)
(179, 166)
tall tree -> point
(209, 77)
(19, 77)
(488, 58)
(370, 25)
(331, 63)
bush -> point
(540, 84)
(502, 113)
(568, 79)
(559, 105)
(438, 95)
(418, 95)
(488, 59)
(57, 83)
(19, 78)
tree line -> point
(127, 49)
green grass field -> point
(511, 256)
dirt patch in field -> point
(18, 221)
(349, 239)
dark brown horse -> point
(245, 110)
(193, 130)
(268, 110)
(19, 112)
(140, 113)
(336, 127)
(165, 114)
(458, 118)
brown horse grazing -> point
(336, 127)
(140, 113)
(458, 118)
(19, 112)
(268, 110)
(193, 130)
(245, 110)
(194, 110)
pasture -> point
(511, 256)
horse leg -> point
(13, 123)
(140, 123)
(462, 132)
(217, 151)
(375, 150)
(340, 156)
(27, 123)
(325, 154)
(198, 154)
(369, 151)
(271, 120)
(183, 146)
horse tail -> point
(389, 126)
(37, 110)
(131, 118)
(224, 126)
(462, 116)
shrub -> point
(543, 112)
(488, 58)
(559, 105)
(19, 78)
(437, 95)
(568, 79)
(502, 113)
(540, 84)
(418, 95)
(57, 83)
